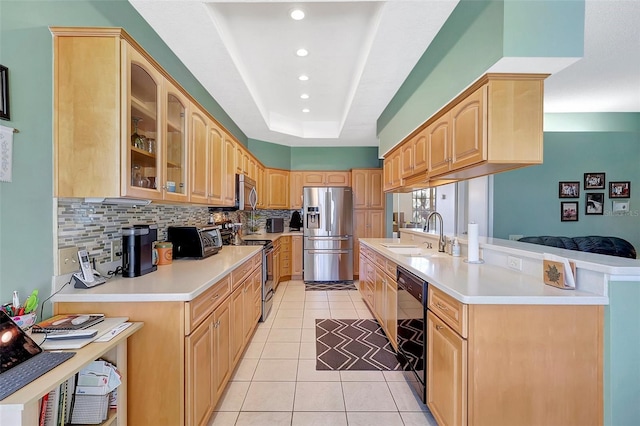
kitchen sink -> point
(412, 250)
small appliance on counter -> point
(296, 221)
(195, 242)
(275, 224)
(137, 250)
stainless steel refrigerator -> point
(328, 233)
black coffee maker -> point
(296, 221)
(137, 250)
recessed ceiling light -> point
(302, 52)
(304, 96)
(306, 110)
(303, 77)
(297, 14)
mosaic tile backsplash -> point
(93, 226)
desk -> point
(22, 408)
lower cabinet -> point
(379, 290)
(296, 257)
(200, 375)
(446, 373)
(182, 359)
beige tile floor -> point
(276, 382)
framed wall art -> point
(569, 211)
(620, 189)
(4, 93)
(569, 190)
(594, 181)
(594, 203)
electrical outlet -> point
(116, 250)
(514, 263)
(514, 237)
(68, 260)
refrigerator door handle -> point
(327, 210)
(345, 238)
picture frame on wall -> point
(594, 203)
(4, 93)
(620, 189)
(569, 211)
(594, 181)
(569, 189)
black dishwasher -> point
(412, 312)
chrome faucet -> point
(442, 242)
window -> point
(423, 202)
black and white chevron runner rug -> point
(329, 285)
(353, 345)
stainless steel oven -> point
(412, 305)
(267, 275)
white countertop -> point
(484, 283)
(182, 280)
(271, 235)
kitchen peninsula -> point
(198, 316)
(502, 347)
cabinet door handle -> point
(441, 306)
(439, 327)
(215, 297)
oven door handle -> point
(328, 251)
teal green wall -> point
(592, 122)
(271, 154)
(334, 158)
(478, 34)
(526, 200)
(622, 355)
(26, 222)
(314, 158)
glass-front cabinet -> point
(175, 177)
(144, 167)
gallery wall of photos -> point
(595, 188)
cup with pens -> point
(23, 314)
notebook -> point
(67, 322)
(21, 359)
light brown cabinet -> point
(175, 149)
(326, 178)
(366, 224)
(296, 183)
(447, 373)
(277, 189)
(379, 290)
(197, 356)
(392, 170)
(285, 257)
(493, 126)
(142, 130)
(200, 157)
(296, 257)
(367, 189)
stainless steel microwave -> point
(246, 194)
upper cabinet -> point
(392, 170)
(367, 189)
(175, 139)
(493, 126)
(295, 186)
(326, 178)
(124, 128)
(277, 189)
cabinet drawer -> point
(381, 261)
(257, 260)
(240, 273)
(390, 269)
(449, 310)
(199, 308)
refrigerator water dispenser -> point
(313, 217)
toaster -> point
(195, 242)
(275, 225)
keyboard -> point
(28, 371)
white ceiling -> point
(360, 52)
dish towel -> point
(6, 153)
